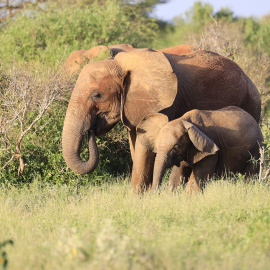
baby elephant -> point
(211, 142)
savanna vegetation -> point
(105, 227)
(52, 218)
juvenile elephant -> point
(211, 142)
(132, 85)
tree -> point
(225, 14)
(199, 14)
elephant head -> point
(128, 87)
(77, 59)
(173, 142)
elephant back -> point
(207, 80)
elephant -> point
(79, 58)
(132, 85)
(209, 141)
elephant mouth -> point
(176, 161)
(102, 126)
(90, 131)
(102, 130)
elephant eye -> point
(177, 148)
(96, 96)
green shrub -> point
(47, 35)
(41, 151)
(257, 35)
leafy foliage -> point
(47, 34)
(257, 35)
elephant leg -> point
(179, 175)
(132, 140)
(142, 171)
(201, 172)
(192, 185)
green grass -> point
(107, 227)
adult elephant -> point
(141, 82)
(77, 59)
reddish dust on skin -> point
(178, 50)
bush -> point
(47, 35)
(257, 35)
(25, 98)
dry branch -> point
(25, 97)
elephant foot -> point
(192, 186)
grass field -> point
(107, 227)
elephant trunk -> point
(73, 133)
(159, 169)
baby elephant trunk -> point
(160, 167)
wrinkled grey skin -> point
(210, 142)
(142, 82)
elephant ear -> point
(150, 84)
(148, 130)
(204, 146)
